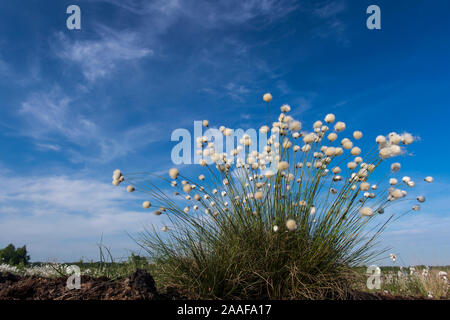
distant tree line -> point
(14, 256)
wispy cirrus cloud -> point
(331, 25)
(53, 119)
(209, 14)
(99, 57)
(329, 9)
(48, 146)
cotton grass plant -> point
(417, 281)
(287, 222)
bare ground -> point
(139, 286)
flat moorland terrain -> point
(122, 281)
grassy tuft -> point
(282, 223)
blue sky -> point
(77, 104)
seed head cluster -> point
(300, 179)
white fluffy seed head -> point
(421, 198)
(187, 188)
(380, 140)
(332, 136)
(393, 181)
(385, 153)
(317, 124)
(394, 138)
(130, 189)
(356, 151)
(330, 151)
(336, 170)
(291, 225)
(264, 129)
(407, 138)
(259, 195)
(339, 126)
(429, 179)
(365, 186)
(329, 118)
(366, 211)
(267, 97)
(306, 148)
(285, 108)
(287, 144)
(283, 165)
(173, 173)
(357, 135)
(269, 174)
(347, 145)
(295, 126)
(397, 193)
(146, 204)
(227, 132)
(309, 138)
(396, 166)
(246, 141)
(205, 123)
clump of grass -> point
(282, 223)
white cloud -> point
(57, 215)
(236, 92)
(48, 146)
(331, 26)
(50, 111)
(98, 58)
(209, 14)
(53, 118)
(420, 238)
(329, 9)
